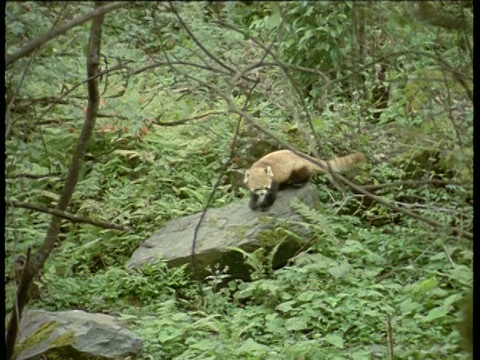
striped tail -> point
(343, 163)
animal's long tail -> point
(343, 163)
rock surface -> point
(75, 334)
(234, 225)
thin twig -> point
(31, 176)
(448, 255)
(41, 40)
(217, 183)
(414, 183)
(199, 44)
(74, 87)
(284, 67)
(390, 337)
(184, 121)
(65, 215)
(8, 115)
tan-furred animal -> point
(284, 167)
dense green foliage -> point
(366, 265)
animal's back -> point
(283, 167)
(282, 163)
(285, 164)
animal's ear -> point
(247, 176)
(269, 172)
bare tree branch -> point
(460, 78)
(94, 77)
(36, 261)
(36, 43)
(169, 63)
(199, 44)
(284, 67)
(414, 183)
(8, 115)
(65, 215)
(184, 121)
(32, 176)
(7, 112)
(390, 337)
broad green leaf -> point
(452, 299)
(307, 296)
(435, 313)
(167, 335)
(296, 324)
(275, 325)
(361, 355)
(335, 340)
(251, 346)
(341, 270)
(463, 274)
(408, 305)
(286, 306)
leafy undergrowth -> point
(333, 302)
(367, 266)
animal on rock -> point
(282, 168)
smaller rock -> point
(75, 334)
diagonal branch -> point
(444, 183)
(199, 44)
(187, 120)
(64, 215)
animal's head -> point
(259, 180)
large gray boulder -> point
(75, 334)
(234, 225)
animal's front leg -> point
(267, 201)
(254, 199)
